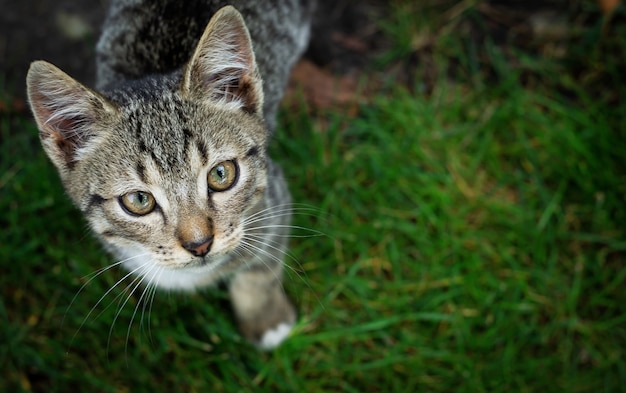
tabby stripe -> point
(186, 139)
(203, 151)
(253, 151)
(138, 128)
(155, 158)
(94, 201)
(141, 171)
(110, 234)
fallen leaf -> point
(321, 89)
(608, 6)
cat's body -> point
(168, 160)
(142, 37)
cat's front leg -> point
(264, 313)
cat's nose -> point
(199, 248)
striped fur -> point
(164, 115)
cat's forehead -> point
(160, 128)
(176, 124)
(168, 110)
(156, 104)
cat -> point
(167, 157)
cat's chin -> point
(190, 277)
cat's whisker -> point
(269, 217)
(254, 247)
(273, 212)
(281, 226)
(251, 248)
(266, 243)
(134, 284)
(146, 294)
(95, 306)
(283, 208)
(265, 220)
(153, 286)
(302, 275)
(96, 274)
(265, 230)
(154, 270)
(262, 234)
(241, 256)
(118, 282)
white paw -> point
(273, 337)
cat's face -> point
(166, 169)
(172, 183)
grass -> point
(475, 242)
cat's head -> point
(166, 168)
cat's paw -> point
(269, 329)
(273, 337)
(264, 313)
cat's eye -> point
(138, 203)
(222, 176)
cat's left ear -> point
(68, 114)
(223, 68)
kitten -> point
(167, 160)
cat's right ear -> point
(223, 68)
(66, 113)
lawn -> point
(474, 238)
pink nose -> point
(199, 248)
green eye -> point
(138, 203)
(222, 176)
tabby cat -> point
(167, 158)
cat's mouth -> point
(208, 260)
(198, 262)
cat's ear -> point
(66, 112)
(223, 68)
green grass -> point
(475, 243)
